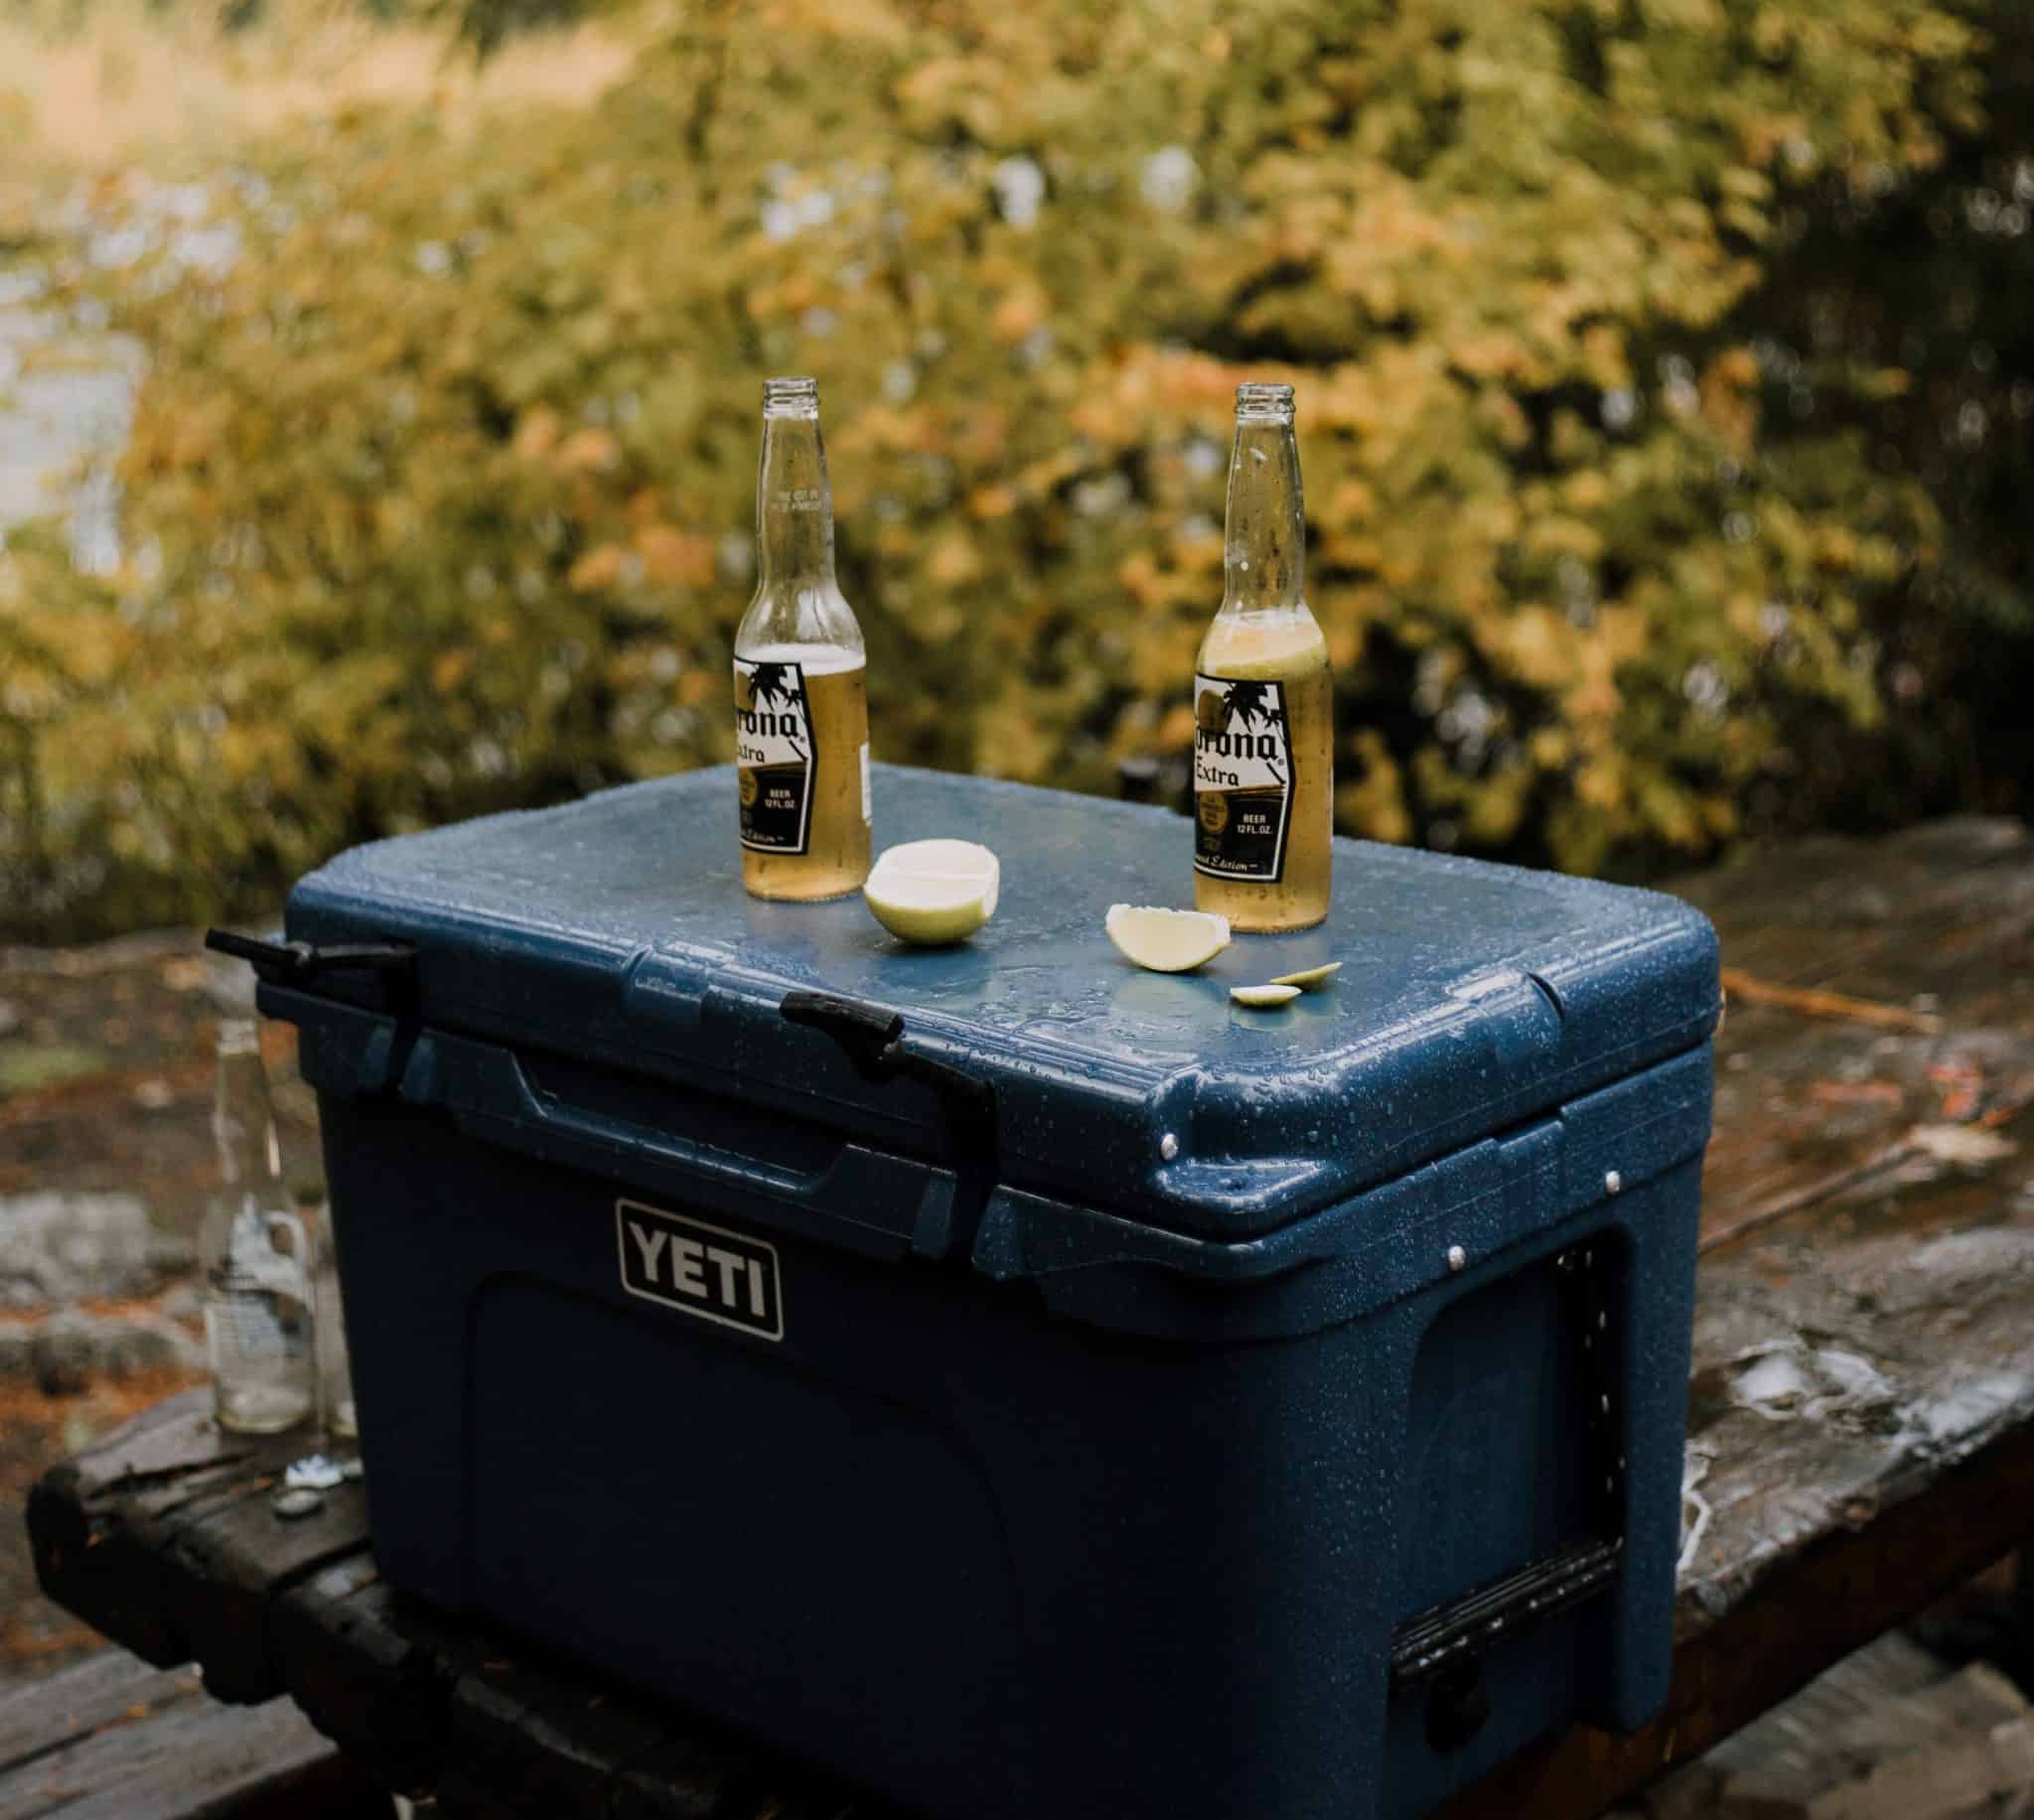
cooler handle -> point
(906, 1200)
(1441, 1646)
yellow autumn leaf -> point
(600, 568)
(674, 557)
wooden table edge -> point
(1810, 1613)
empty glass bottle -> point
(802, 703)
(335, 1363)
(257, 1255)
(1263, 700)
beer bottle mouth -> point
(791, 398)
(239, 1036)
(1259, 402)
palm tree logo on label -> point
(1242, 777)
(774, 754)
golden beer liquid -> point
(836, 861)
(1287, 648)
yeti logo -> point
(707, 1271)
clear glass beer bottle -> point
(1263, 700)
(336, 1414)
(801, 710)
(256, 1256)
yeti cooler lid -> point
(615, 930)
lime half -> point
(934, 892)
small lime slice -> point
(1264, 998)
(934, 892)
(1309, 977)
(1166, 940)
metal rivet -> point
(1612, 1183)
(1168, 1147)
(1457, 1257)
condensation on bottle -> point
(1263, 697)
(335, 1413)
(257, 1256)
(801, 691)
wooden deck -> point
(114, 1740)
(1861, 1417)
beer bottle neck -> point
(242, 1117)
(1264, 547)
(794, 503)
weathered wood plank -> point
(1940, 919)
(223, 1570)
(163, 1538)
(101, 1691)
(117, 1740)
(89, 1519)
(1845, 1358)
(527, 1744)
(685, 1777)
(1863, 916)
(1838, 1593)
(365, 1678)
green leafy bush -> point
(439, 498)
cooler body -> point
(807, 1392)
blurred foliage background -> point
(1665, 380)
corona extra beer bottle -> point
(802, 705)
(1263, 702)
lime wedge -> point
(1264, 998)
(1166, 940)
(934, 892)
(1309, 977)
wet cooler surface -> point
(1421, 937)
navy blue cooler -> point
(1018, 1382)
